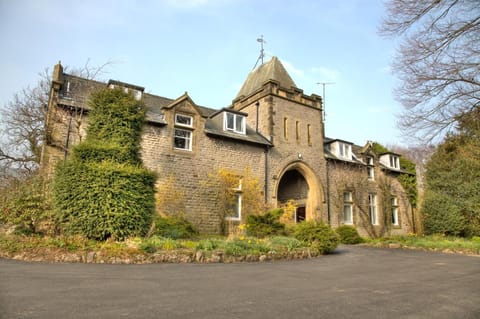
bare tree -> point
(438, 63)
(22, 123)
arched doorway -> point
(298, 182)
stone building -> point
(271, 128)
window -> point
(347, 208)
(370, 168)
(372, 208)
(344, 150)
(297, 133)
(183, 120)
(394, 162)
(235, 207)
(234, 122)
(182, 139)
(394, 211)
(285, 130)
(309, 134)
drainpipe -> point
(256, 122)
(67, 141)
(328, 193)
(267, 148)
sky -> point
(208, 47)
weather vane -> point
(262, 51)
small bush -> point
(285, 243)
(319, 236)
(267, 224)
(348, 235)
(173, 227)
(442, 215)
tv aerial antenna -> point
(323, 84)
(262, 41)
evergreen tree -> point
(452, 198)
(102, 190)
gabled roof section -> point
(202, 110)
(272, 70)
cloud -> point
(326, 74)
(292, 70)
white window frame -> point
(372, 208)
(394, 162)
(370, 168)
(188, 139)
(179, 122)
(347, 208)
(345, 150)
(237, 205)
(395, 211)
(234, 128)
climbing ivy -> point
(408, 180)
(102, 190)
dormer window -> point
(183, 120)
(390, 160)
(394, 161)
(234, 122)
(344, 150)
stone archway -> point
(299, 182)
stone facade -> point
(272, 129)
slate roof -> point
(214, 126)
(272, 70)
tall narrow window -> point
(370, 168)
(372, 208)
(235, 206)
(309, 134)
(182, 139)
(297, 130)
(394, 211)
(347, 208)
(285, 128)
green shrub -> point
(348, 235)
(319, 236)
(102, 190)
(103, 200)
(284, 243)
(267, 224)
(173, 227)
(442, 215)
(26, 204)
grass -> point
(433, 242)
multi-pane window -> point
(370, 168)
(394, 161)
(395, 211)
(183, 137)
(235, 206)
(347, 208)
(372, 209)
(344, 150)
(234, 122)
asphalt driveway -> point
(355, 282)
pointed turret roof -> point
(272, 70)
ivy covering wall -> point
(102, 190)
